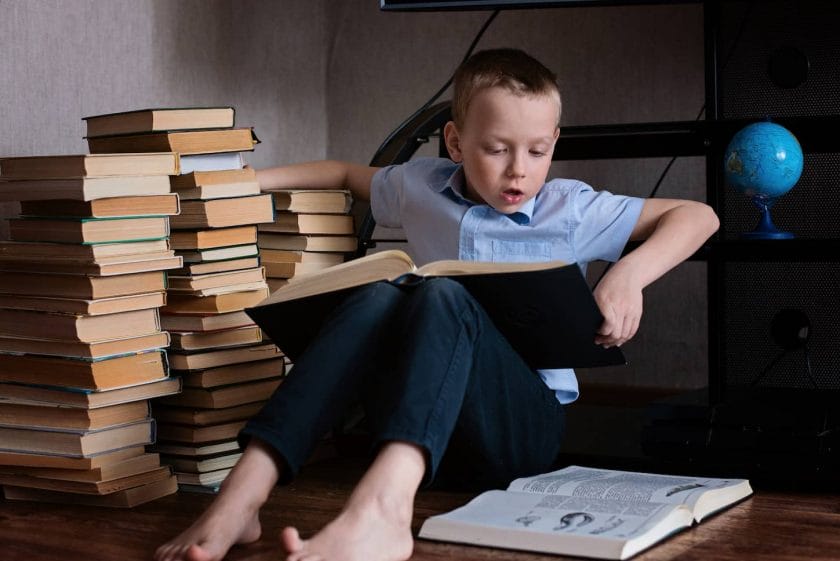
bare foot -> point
(211, 536)
(375, 533)
(233, 517)
(375, 525)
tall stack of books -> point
(81, 345)
(227, 370)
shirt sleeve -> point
(386, 192)
(604, 222)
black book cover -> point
(549, 316)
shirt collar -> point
(455, 186)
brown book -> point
(127, 498)
(108, 373)
(224, 213)
(79, 349)
(90, 399)
(201, 417)
(211, 479)
(210, 322)
(202, 465)
(300, 242)
(234, 373)
(197, 450)
(53, 416)
(143, 205)
(87, 307)
(86, 487)
(207, 267)
(78, 252)
(162, 261)
(276, 283)
(132, 465)
(88, 230)
(313, 200)
(210, 359)
(289, 270)
(219, 253)
(159, 119)
(64, 463)
(199, 435)
(292, 223)
(83, 188)
(286, 256)
(79, 286)
(71, 327)
(225, 396)
(77, 444)
(185, 341)
(217, 304)
(196, 283)
(89, 165)
(218, 184)
(219, 290)
(220, 237)
(182, 142)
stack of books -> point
(81, 345)
(227, 370)
(312, 230)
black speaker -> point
(780, 327)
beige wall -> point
(330, 78)
(61, 60)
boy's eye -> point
(495, 150)
(537, 153)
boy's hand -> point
(620, 302)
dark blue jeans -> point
(430, 368)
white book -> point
(211, 162)
(598, 513)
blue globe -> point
(763, 159)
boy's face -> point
(506, 144)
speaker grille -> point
(751, 32)
(755, 293)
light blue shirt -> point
(567, 220)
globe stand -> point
(765, 229)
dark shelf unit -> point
(778, 436)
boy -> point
(451, 402)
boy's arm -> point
(673, 230)
(323, 174)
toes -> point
(290, 538)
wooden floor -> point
(770, 525)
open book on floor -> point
(545, 310)
(599, 513)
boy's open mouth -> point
(512, 195)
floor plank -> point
(770, 525)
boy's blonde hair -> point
(511, 69)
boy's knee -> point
(445, 289)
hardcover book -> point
(545, 310)
(89, 165)
(181, 142)
(159, 119)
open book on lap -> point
(599, 513)
(545, 310)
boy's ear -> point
(453, 142)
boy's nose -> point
(516, 166)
